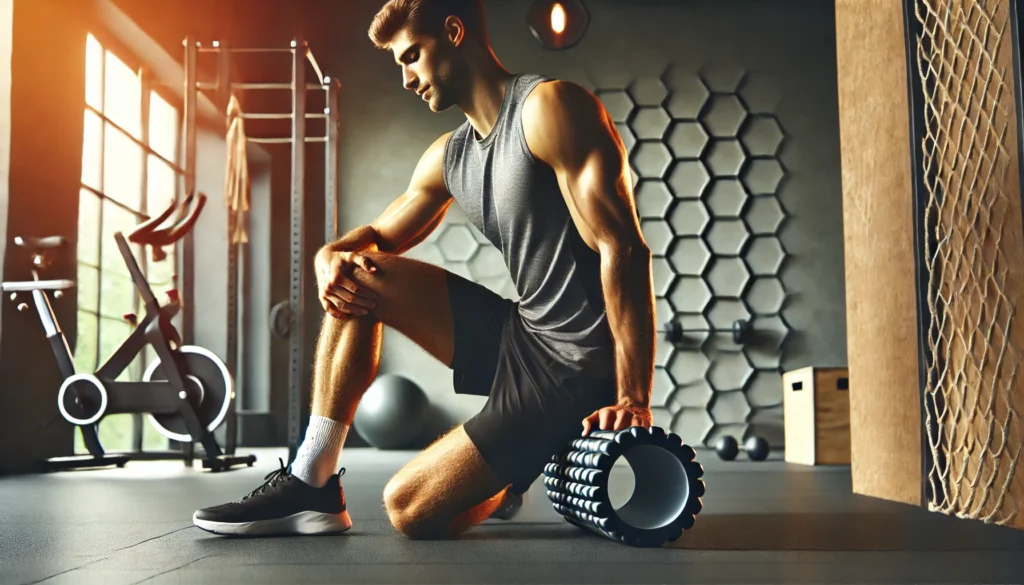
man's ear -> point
(454, 30)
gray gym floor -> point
(762, 523)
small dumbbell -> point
(740, 331)
(756, 447)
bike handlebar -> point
(188, 211)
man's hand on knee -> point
(339, 292)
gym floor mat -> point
(763, 522)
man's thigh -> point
(456, 321)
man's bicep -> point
(410, 218)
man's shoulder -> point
(556, 97)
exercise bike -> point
(186, 393)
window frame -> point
(148, 87)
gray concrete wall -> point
(745, 225)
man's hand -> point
(618, 417)
(339, 293)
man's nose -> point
(409, 80)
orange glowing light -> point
(558, 18)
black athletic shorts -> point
(535, 404)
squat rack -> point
(295, 309)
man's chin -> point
(437, 106)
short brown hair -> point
(426, 17)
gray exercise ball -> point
(393, 413)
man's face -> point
(427, 67)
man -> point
(539, 168)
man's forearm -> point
(360, 239)
(629, 304)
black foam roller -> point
(667, 494)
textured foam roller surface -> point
(667, 489)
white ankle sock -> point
(317, 458)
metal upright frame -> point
(224, 87)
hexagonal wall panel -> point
(763, 176)
(695, 395)
(728, 277)
(764, 216)
(725, 158)
(688, 94)
(648, 91)
(729, 407)
(628, 139)
(687, 139)
(661, 388)
(652, 198)
(759, 93)
(722, 77)
(727, 237)
(762, 136)
(688, 179)
(650, 123)
(657, 234)
(651, 159)
(690, 294)
(724, 116)
(692, 425)
(480, 237)
(618, 104)
(459, 268)
(689, 256)
(765, 256)
(729, 371)
(767, 423)
(457, 243)
(724, 312)
(689, 367)
(427, 252)
(764, 390)
(693, 324)
(766, 296)
(663, 311)
(770, 333)
(663, 352)
(662, 276)
(487, 263)
(726, 198)
(689, 218)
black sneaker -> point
(284, 504)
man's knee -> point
(409, 513)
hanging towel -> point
(236, 176)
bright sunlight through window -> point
(123, 181)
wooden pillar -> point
(878, 219)
(934, 244)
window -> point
(129, 162)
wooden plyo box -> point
(816, 416)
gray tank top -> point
(515, 201)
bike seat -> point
(40, 244)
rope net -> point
(973, 223)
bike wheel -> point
(206, 376)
